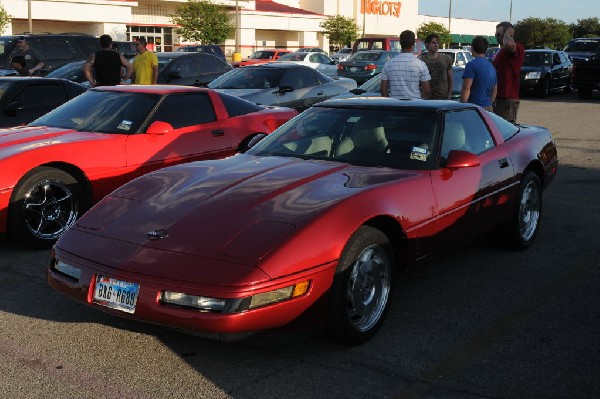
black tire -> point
(45, 203)
(569, 86)
(521, 229)
(362, 287)
(544, 89)
(584, 94)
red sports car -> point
(261, 57)
(56, 167)
(337, 200)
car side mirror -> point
(461, 159)
(12, 108)
(253, 141)
(285, 89)
(159, 128)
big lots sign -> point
(380, 7)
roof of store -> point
(271, 6)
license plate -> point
(116, 294)
(353, 69)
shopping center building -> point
(259, 23)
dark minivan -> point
(57, 49)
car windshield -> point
(537, 59)
(248, 78)
(102, 111)
(263, 55)
(584, 46)
(293, 57)
(367, 137)
(365, 56)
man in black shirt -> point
(107, 65)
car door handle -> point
(503, 163)
(217, 133)
(320, 93)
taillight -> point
(272, 123)
(574, 69)
(370, 67)
(340, 67)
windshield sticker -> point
(125, 125)
(419, 153)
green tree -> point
(342, 31)
(204, 22)
(548, 32)
(588, 27)
(4, 18)
(433, 27)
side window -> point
(395, 45)
(556, 59)
(41, 96)
(186, 67)
(469, 56)
(209, 64)
(314, 58)
(460, 57)
(465, 130)
(181, 110)
(57, 49)
(507, 129)
(298, 78)
(236, 106)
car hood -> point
(239, 208)
(531, 68)
(25, 138)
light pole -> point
(450, 16)
(237, 27)
(29, 16)
(510, 13)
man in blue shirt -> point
(479, 79)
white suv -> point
(459, 57)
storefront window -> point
(159, 39)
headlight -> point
(533, 75)
(234, 305)
(193, 301)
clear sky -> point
(568, 11)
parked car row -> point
(156, 220)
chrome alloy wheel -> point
(529, 211)
(50, 208)
(368, 288)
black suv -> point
(57, 49)
(582, 49)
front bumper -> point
(150, 308)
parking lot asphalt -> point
(481, 322)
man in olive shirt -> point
(440, 69)
(34, 62)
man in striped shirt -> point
(405, 76)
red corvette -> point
(261, 57)
(58, 166)
(337, 200)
